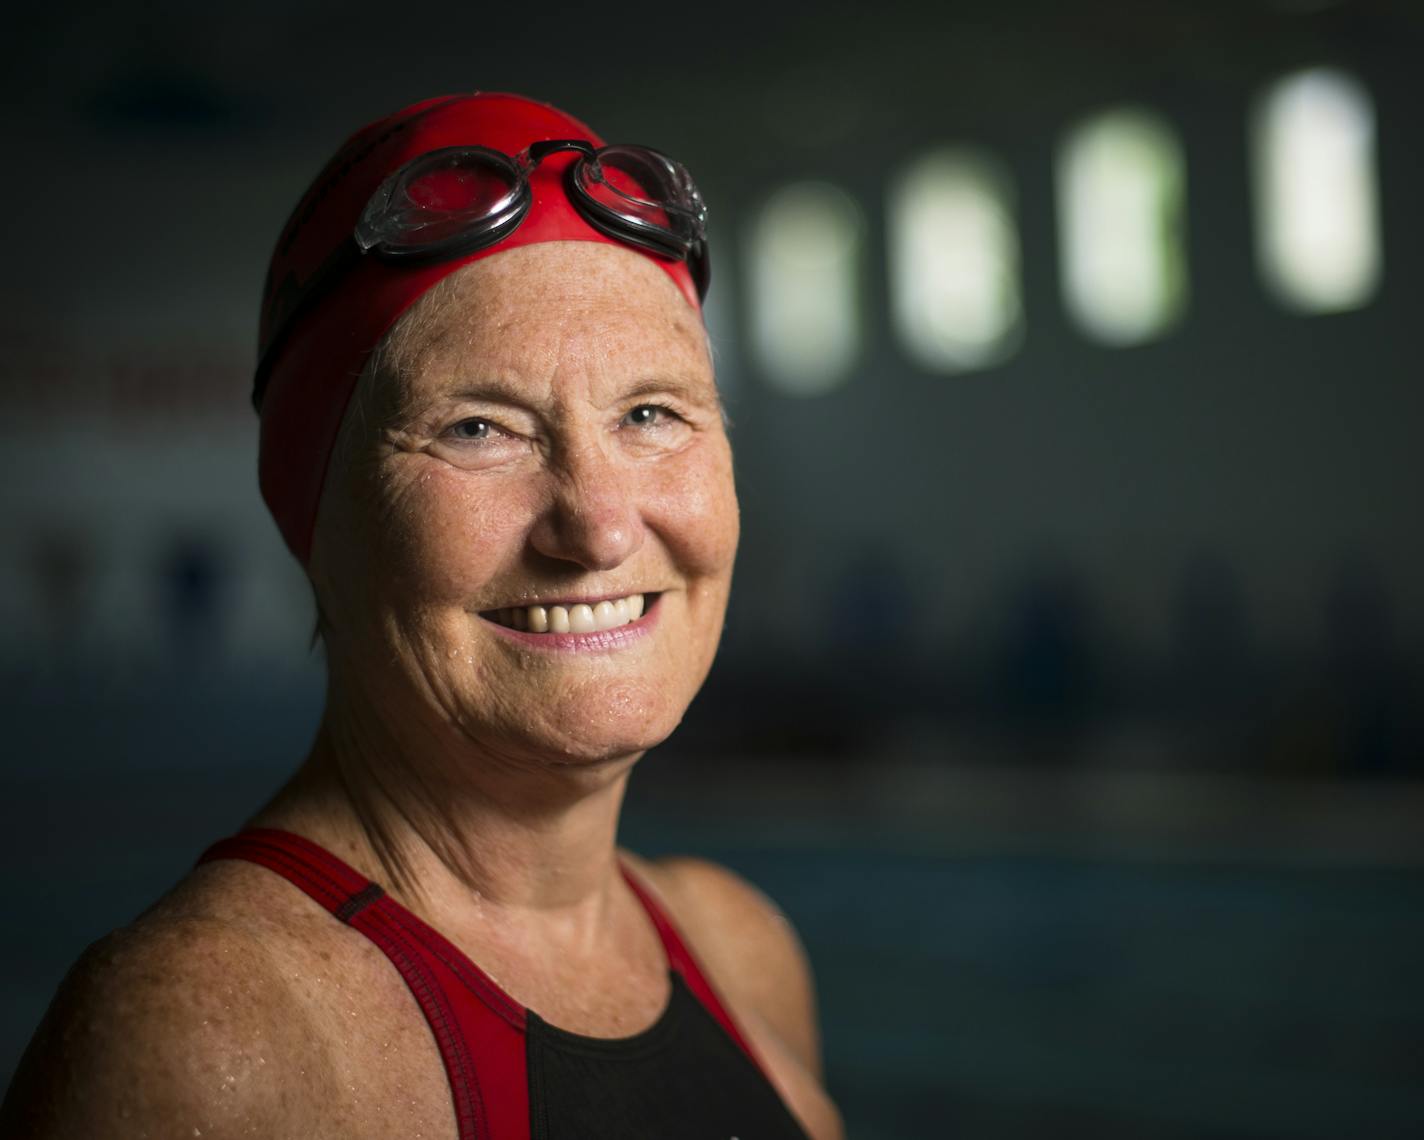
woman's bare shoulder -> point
(745, 943)
(183, 1023)
(754, 958)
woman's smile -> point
(586, 625)
(540, 485)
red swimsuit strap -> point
(487, 1080)
(363, 904)
(314, 869)
(681, 959)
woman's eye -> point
(472, 429)
(647, 415)
(475, 443)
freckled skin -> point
(565, 498)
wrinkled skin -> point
(537, 434)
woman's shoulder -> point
(739, 934)
(186, 1017)
(755, 960)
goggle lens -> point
(648, 189)
(438, 203)
(457, 189)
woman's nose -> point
(594, 518)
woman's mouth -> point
(577, 617)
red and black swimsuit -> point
(513, 1076)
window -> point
(954, 261)
(804, 267)
(1121, 205)
(1316, 200)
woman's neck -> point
(445, 826)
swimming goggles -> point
(455, 201)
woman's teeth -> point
(571, 619)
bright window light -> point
(804, 268)
(1121, 198)
(954, 261)
(1316, 199)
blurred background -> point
(1070, 701)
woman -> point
(490, 431)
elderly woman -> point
(490, 431)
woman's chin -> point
(588, 732)
(605, 743)
(571, 743)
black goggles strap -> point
(539, 151)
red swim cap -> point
(313, 371)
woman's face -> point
(544, 435)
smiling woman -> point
(520, 526)
(548, 440)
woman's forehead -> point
(539, 307)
